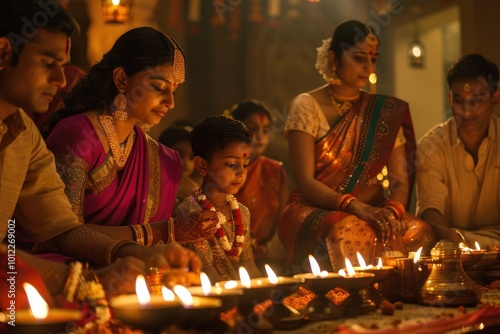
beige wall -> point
(424, 88)
(480, 29)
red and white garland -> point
(232, 250)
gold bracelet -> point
(138, 233)
(149, 234)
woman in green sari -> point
(340, 138)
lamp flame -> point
(273, 279)
(314, 266)
(141, 289)
(342, 273)
(115, 2)
(184, 295)
(417, 255)
(349, 268)
(38, 306)
(379, 264)
(205, 283)
(245, 278)
(477, 246)
(167, 293)
(230, 284)
(361, 261)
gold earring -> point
(120, 103)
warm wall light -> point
(115, 11)
(416, 54)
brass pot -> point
(448, 284)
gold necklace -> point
(342, 107)
(219, 205)
(119, 154)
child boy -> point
(222, 148)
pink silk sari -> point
(348, 158)
(143, 191)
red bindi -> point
(244, 155)
(261, 117)
(370, 53)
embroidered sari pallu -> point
(348, 159)
(142, 191)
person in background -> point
(178, 138)
(340, 138)
(73, 74)
(458, 161)
(118, 179)
(267, 186)
(222, 149)
(32, 199)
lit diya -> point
(147, 312)
(381, 273)
(229, 298)
(281, 315)
(255, 291)
(198, 311)
(320, 282)
(39, 318)
(354, 282)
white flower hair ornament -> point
(323, 65)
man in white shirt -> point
(458, 161)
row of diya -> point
(436, 280)
(199, 307)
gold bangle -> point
(343, 202)
(138, 233)
(149, 234)
(396, 207)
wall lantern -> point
(416, 54)
(115, 11)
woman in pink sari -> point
(340, 138)
(118, 178)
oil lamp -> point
(448, 284)
(147, 312)
(283, 316)
(381, 273)
(254, 291)
(39, 318)
(198, 311)
(229, 298)
(354, 282)
(320, 282)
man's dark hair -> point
(474, 66)
(216, 133)
(20, 21)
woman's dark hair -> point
(474, 66)
(249, 107)
(347, 35)
(21, 19)
(136, 50)
(216, 133)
